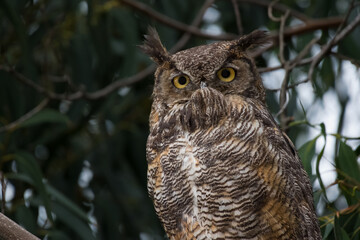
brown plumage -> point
(219, 167)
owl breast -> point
(218, 168)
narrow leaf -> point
(46, 116)
(347, 161)
(306, 153)
(67, 203)
(82, 229)
(29, 166)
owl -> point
(219, 167)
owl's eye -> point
(181, 81)
(226, 74)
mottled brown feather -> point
(219, 167)
(154, 48)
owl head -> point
(224, 66)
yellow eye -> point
(226, 74)
(181, 81)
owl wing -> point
(298, 190)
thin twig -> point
(298, 61)
(173, 23)
(340, 34)
(113, 86)
(270, 12)
(237, 17)
(283, 100)
(317, 58)
(279, 7)
(302, 54)
(355, 62)
(80, 93)
(283, 107)
(3, 192)
(198, 19)
(281, 37)
(301, 29)
(289, 86)
(309, 25)
(16, 123)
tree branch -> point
(340, 34)
(9, 230)
(173, 23)
(189, 30)
(113, 86)
(237, 17)
(279, 7)
(25, 117)
(198, 19)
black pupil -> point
(182, 80)
(225, 73)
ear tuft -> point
(251, 40)
(153, 47)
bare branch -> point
(281, 37)
(186, 37)
(283, 92)
(355, 62)
(289, 86)
(25, 117)
(309, 25)
(173, 23)
(270, 12)
(237, 17)
(80, 93)
(115, 85)
(3, 192)
(279, 7)
(339, 35)
(298, 30)
(301, 55)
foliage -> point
(75, 100)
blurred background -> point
(75, 95)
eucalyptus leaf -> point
(307, 153)
(81, 228)
(45, 116)
(28, 165)
(347, 162)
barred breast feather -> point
(220, 168)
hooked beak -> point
(203, 85)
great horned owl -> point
(219, 167)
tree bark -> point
(9, 230)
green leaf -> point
(45, 116)
(328, 230)
(323, 129)
(55, 194)
(26, 218)
(57, 235)
(82, 229)
(306, 153)
(344, 235)
(348, 169)
(68, 204)
(318, 159)
(340, 233)
(327, 74)
(357, 151)
(28, 165)
(337, 228)
(347, 161)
